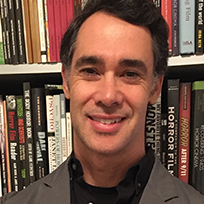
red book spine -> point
(64, 18)
(166, 11)
(51, 28)
(184, 131)
(70, 11)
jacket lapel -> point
(160, 187)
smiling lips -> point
(106, 125)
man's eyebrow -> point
(89, 60)
(133, 63)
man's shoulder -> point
(50, 189)
(163, 187)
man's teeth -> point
(107, 121)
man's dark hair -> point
(137, 12)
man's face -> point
(110, 85)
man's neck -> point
(107, 170)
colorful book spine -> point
(29, 134)
(166, 11)
(39, 132)
(199, 27)
(187, 26)
(184, 131)
(63, 17)
(70, 11)
(3, 149)
(13, 141)
(2, 61)
(175, 27)
(21, 141)
(173, 119)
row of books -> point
(35, 135)
(31, 31)
(185, 21)
(176, 130)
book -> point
(70, 11)
(64, 16)
(172, 122)
(41, 17)
(34, 30)
(27, 31)
(166, 11)
(153, 127)
(13, 141)
(69, 134)
(184, 131)
(186, 23)
(63, 126)
(3, 148)
(21, 142)
(39, 132)
(199, 27)
(164, 132)
(51, 30)
(13, 32)
(29, 134)
(197, 136)
(2, 61)
(20, 31)
(175, 27)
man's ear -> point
(157, 90)
(65, 86)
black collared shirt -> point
(128, 191)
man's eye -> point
(130, 74)
(89, 71)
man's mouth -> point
(107, 121)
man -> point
(114, 56)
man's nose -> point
(109, 92)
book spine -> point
(69, 133)
(35, 33)
(29, 134)
(2, 61)
(173, 118)
(42, 31)
(58, 30)
(57, 127)
(50, 133)
(21, 141)
(51, 28)
(20, 32)
(3, 150)
(8, 32)
(27, 31)
(3, 24)
(197, 136)
(199, 27)
(13, 141)
(186, 23)
(153, 127)
(175, 27)
(70, 11)
(184, 131)
(39, 132)
(13, 31)
(166, 11)
(63, 126)
(8, 173)
(164, 138)
(46, 31)
(63, 17)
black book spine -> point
(30, 160)
(20, 32)
(13, 32)
(40, 132)
(13, 141)
(21, 141)
(173, 118)
(199, 27)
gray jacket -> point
(55, 188)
